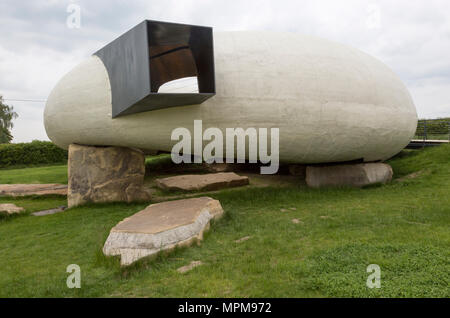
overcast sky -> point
(37, 47)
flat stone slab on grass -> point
(202, 182)
(49, 212)
(243, 239)
(9, 208)
(160, 227)
(32, 189)
(189, 267)
(351, 175)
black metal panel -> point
(165, 100)
(153, 53)
(127, 62)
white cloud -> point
(432, 96)
(413, 38)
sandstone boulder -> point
(160, 227)
(202, 182)
(353, 175)
(9, 208)
(32, 189)
(105, 174)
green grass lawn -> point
(45, 174)
(403, 227)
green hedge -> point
(433, 126)
(32, 153)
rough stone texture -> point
(298, 171)
(49, 212)
(32, 189)
(202, 182)
(160, 227)
(105, 174)
(9, 208)
(354, 175)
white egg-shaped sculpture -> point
(331, 102)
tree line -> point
(7, 114)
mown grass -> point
(403, 227)
(58, 173)
(42, 174)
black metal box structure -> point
(152, 54)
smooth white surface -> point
(332, 103)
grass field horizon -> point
(402, 226)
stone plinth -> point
(350, 175)
(160, 227)
(105, 174)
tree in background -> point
(7, 114)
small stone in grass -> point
(325, 217)
(10, 208)
(296, 221)
(189, 267)
(293, 209)
(283, 210)
(48, 212)
(243, 239)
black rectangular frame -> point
(127, 61)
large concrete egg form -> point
(331, 103)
